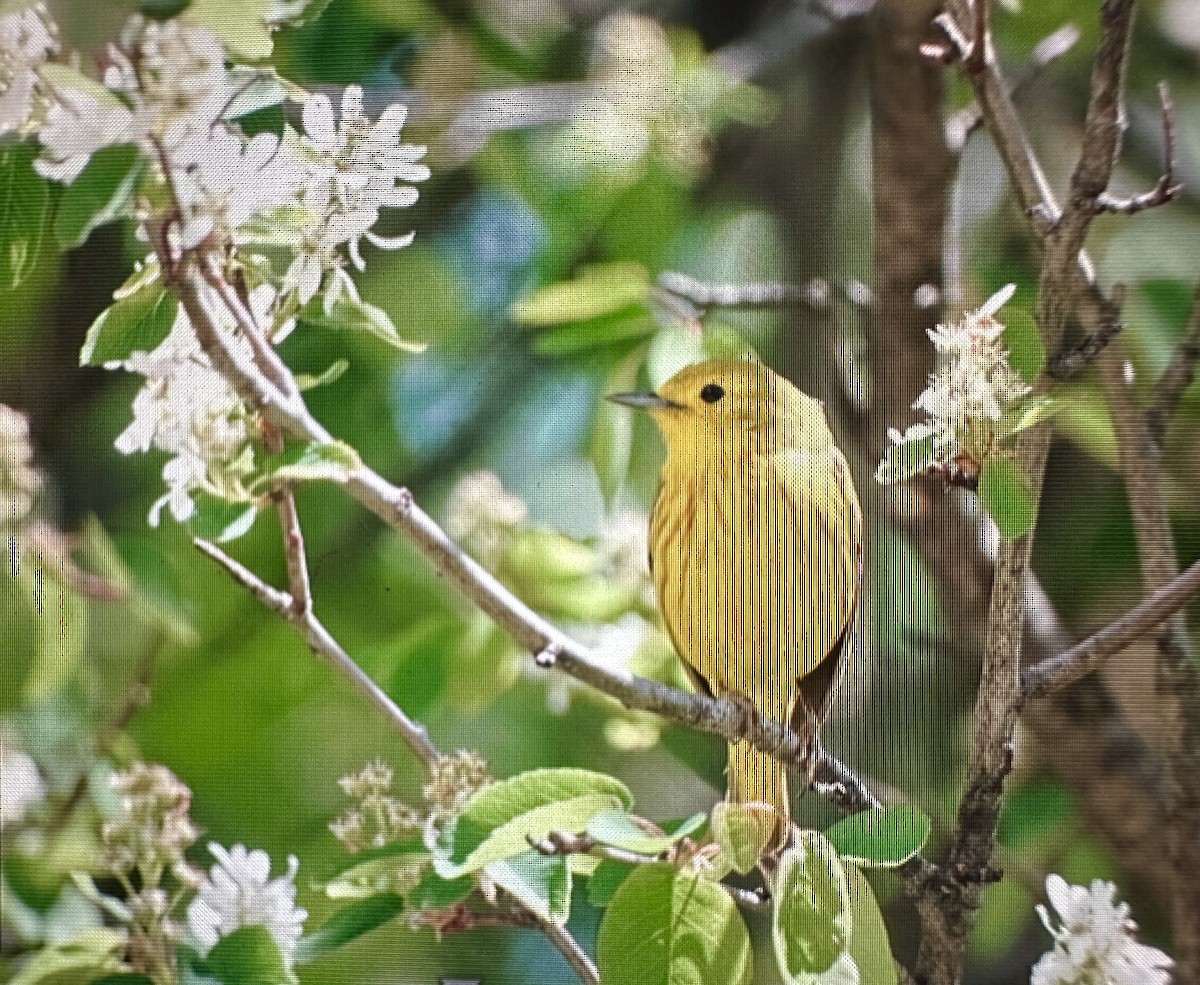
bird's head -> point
(726, 405)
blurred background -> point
(580, 149)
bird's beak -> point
(643, 401)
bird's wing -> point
(818, 499)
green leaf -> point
(603, 884)
(24, 211)
(136, 322)
(326, 461)
(163, 10)
(906, 459)
(1023, 340)
(306, 381)
(743, 831)
(124, 978)
(432, 892)
(351, 314)
(498, 821)
(1027, 413)
(102, 193)
(347, 924)
(612, 428)
(248, 956)
(599, 290)
(619, 829)
(91, 955)
(542, 883)
(219, 521)
(811, 919)
(625, 327)
(870, 945)
(882, 838)
(1005, 494)
(669, 927)
(240, 24)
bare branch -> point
(324, 645)
(570, 843)
(1177, 377)
(569, 948)
(746, 295)
(1166, 189)
(1083, 658)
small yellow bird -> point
(756, 552)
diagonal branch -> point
(1177, 377)
(1083, 658)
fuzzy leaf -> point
(665, 926)
(102, 193)
(617, 828)
(604, 289)
(347, 924)
(880, 839)
(24, 213)
(136, 322)
(498, 821)
(541, 882)
(1005, 494)
(811, 921)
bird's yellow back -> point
(755, 549)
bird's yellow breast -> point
(755, 560)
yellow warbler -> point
(755, 549)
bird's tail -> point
(757, 776)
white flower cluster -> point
(286, 212)
(973, 387)
(26, 41)
(239, 892)
(189, 410)
(1093, 940)
(481, 514)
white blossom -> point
(974, 385)
(239, 892)
(188, 409)
(26, 41)
(1094, 941)
(481, 513)
(21, 784)
(361, 167)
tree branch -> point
(1083, 658)
(1177, 377)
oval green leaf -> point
(743, 831)
(620, 829)
(542, 883)
(599, 290)
(1005, 494)
(881, 839)
(137, 322)
(102, 193)
(870, 945)
(498, 821)
(347, 924)
(665, 926)
(24, 214)
(811, 920)
(248, 956)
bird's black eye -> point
(712, 392)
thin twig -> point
(323, 644)
(1166, 189)
(570, 843)
(569, 948)
(1177, 377)
(743, 295)
(1083, 658)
